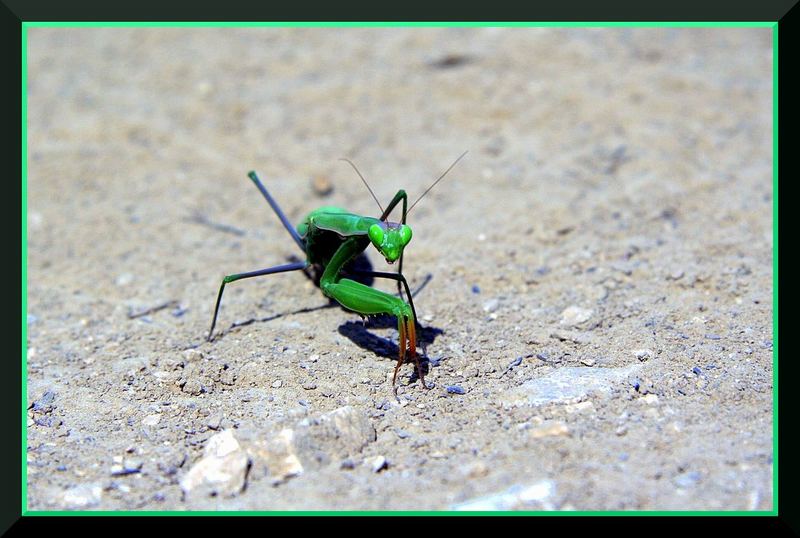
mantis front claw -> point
(406, 326)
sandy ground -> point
(596, 274)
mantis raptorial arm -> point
(401, 195)
(364, 300)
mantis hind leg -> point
(233, 278)
(277, 209)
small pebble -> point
(575, 315)
(82, 496)
(579, 407)
(309, 386)
(643, 354)
(347, 464)
(377, 463)
(650, 399)
(193, 387)
(588, 362)
(477, 470)
(676, 274)
(401, 433)
(151, 420)
(696, 370)
(193, 355)
(124, 279)
(48, 422)
(126, 468)
(475, 289)
(44, 403)
(688, 479)
(549, 429)
(277, 384)
(322, 186)
(214, 421)
(455, 389)
(491, 305)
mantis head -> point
(390, 239)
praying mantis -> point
(331, 237)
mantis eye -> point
(375, 233)
(405, 234)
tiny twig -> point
(198, 218)
(514, 363)
(134, 315)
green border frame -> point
(354, 24)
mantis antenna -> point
(365, 182)
(435, 182)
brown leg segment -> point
(412, 342)
(401, 325)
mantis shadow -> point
(359, 333)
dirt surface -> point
(594, 279)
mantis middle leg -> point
(233, 278)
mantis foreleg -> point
(401, 195)
(367, 301)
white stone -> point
(517, 497)
(278, 455)
(567, 385)
(575, 315)
(152, 420)
(550, 429)
(222, 469)
(82, 496)
(376, 463)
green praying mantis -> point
(330, 238)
